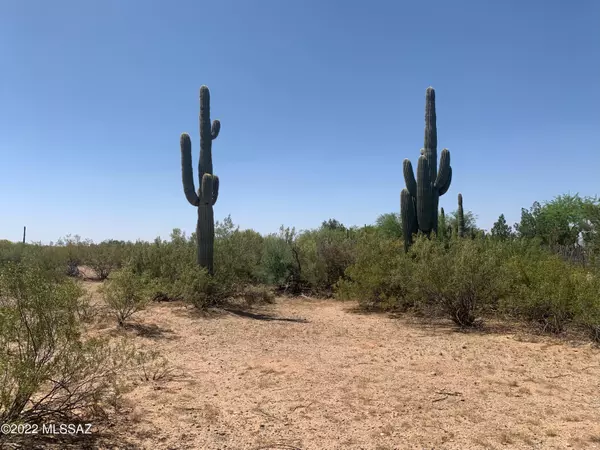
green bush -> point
(381, 276)
(46, 369)
(73, 251)
(544, 290)
(195, 286)
(10, 252)
(588, 303)
(125, 293)
(238, 255)
(280, 260)
(105, 257)
(325, 254)
(461, 281)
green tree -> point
(390, 225)
(471, 229)
(333, 224)
(563, 221)
(501, 230)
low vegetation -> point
(543, 271)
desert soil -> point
(314, 374)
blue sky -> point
(319, 102)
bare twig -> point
(446, 394)
(301, 406)
(267, 414)
(276, 445)
(456, 394)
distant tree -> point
(333, 224)
(501, 230)
(564, 221)
(471, 228)
(390, 225)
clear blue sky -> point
(319, 101)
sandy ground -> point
(313, 374)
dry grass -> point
(309, 374)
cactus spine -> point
(461, 217)
(209, 183)
(419, 200)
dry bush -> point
(261, 294)
(125, 293)
(47, 370)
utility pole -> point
(24, 233)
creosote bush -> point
(461, 281)
(47, 370)
(260, 294)
(125, 293)
(381, 276)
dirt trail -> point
(311, 374)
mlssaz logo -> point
(67, 428)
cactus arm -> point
(187, 173)
(205, 165)
(215, 189)
(409, 217)
(430, 144)
(409, 177)
(424, 195)
(206, 191)
(442, 190)
(444, 170)
(216, 127)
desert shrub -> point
(10, 252)
(325, 255)
(162, 262)
(105, 257)
(544, 290)
(587, 313)
(238, 254)
(390, 225)
(195, 286)
(461, 281)
(73, 251)
(151, 365)
(44, 258)
(171, 271)
(381, 275)
(125, 293)
(253, 295)
(280, 261)
(162, 259)
(46, 369)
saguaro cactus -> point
(419, 200)
(442, 230)
(461, 218)
(209, 183)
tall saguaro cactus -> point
(419, 200)
(209, 183)
(460, 217)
